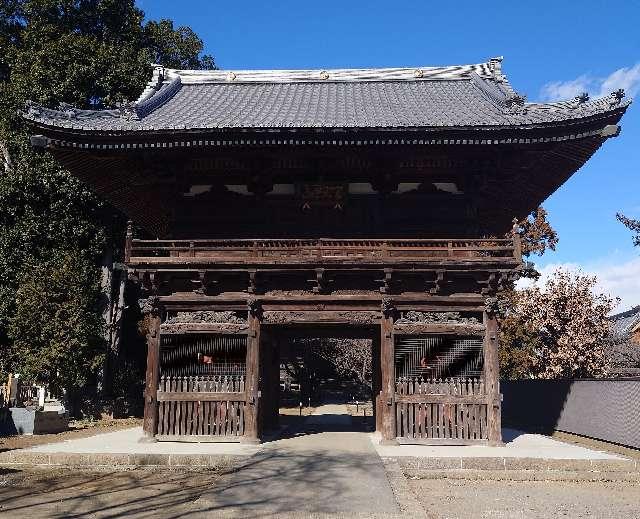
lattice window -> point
(438, 356)
(201, 355)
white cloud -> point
(615, 279)
(560, 90)
(627, 78)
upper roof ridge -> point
(487, 70)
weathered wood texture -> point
(492, 376)
(252, 404)
(376, 381)
(313, 250)
(201, 407)
(451, 411)
(388, 377)
(150, 422)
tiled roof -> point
(625, 323)
(469, 96)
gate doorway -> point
(308, 367)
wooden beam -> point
(220, 328)
(199, 438)
(426, 398)
(423, 328)
(199, 396)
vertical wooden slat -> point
(241, 388)
(398, 409)
(181, 409)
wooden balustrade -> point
(325, 248)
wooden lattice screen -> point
(201, 406)
(440, 393)
(201, 392)
(438, 356)
(191, 355)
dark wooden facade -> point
(395, 225)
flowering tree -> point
(559, 330)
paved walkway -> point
(516, 445)
(318, 468)
(127, 441)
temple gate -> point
(357, 199)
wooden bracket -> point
(153, 282)
(387, 282)
(491, 284)
(438, 282)
(253, 282)
(321, 281)
(205, 284)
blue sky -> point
(551, 49)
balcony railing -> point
(322, 249)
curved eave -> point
(598, 125)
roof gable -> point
(465, 96)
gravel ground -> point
(472, 499)
(56, 494)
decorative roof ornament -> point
(495, 67)
(515, 104)
(580, 99)
(69, 111)
(231, 76)
(324, 75)
(418, 73)
(127, 110)
(616, 97)
(32, 110)
(154, 83)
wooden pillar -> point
(150, 422)
(252, 379)
(275, 381)
(387, 394)
(269, 382)
(492, 379)
(376, 377)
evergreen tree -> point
(53, 230)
